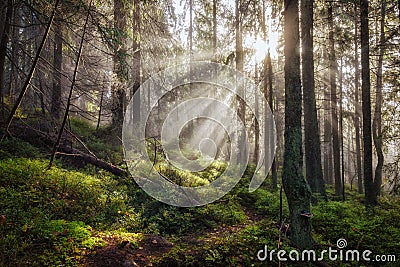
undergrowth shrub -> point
(37, 203)
(159, 218)
(16, 148)
(101, 142)
(378, 231)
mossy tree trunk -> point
(297, 191)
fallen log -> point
(33, 135)
(72, 152)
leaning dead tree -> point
(60, 132)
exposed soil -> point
(124, 254)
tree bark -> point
(357, 112)
(119, 68)
(377, 122)
(239, 60)
(341, 129)
(100, 109)
(5, 36)
(269, 142)
(14, 55)
(370, 197)
(72, 152)
(191, 29)
(327, 138)
(3, 12)
(297, 191)
(333, 87)
(269, 79)
(214, 39)
(256, 110)
(136, 58)
(67, 151)
(312, 142)
(57, 65)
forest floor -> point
(77, 215)
(151, 248)
(120, 253)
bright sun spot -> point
(262, 47)
(270, 44)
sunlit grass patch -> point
(48, 215)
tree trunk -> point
(57, 65)
(100, 109)
(341, 128)
(5, 36)
(333, 86)
(191, 29)
(136, 58)
(377, 122)
(14, 55)
(3, 12)
(350, 161)
(72, 152)
(297, 191)
(268, 94)
(269, 79)
(370, 197)
(312, 142)
(41, 94)
(256, 110)
(214, 39)
(239, 60)
(357, 112)
(120, 71)
(327, 138)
